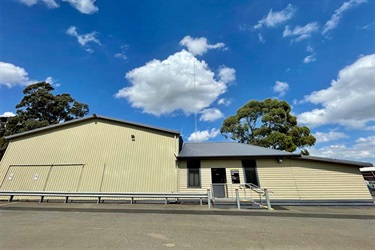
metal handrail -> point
(261, 191)
(100, 195)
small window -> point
(250, 170)
(194, 179)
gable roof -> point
(93, 117)
(228, 150)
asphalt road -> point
(39, 226)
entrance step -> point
(231, 203)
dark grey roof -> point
(340, 161)
(175, 132)
(228, 150)
(237, 150)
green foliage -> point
(39, 108)
(268, 124)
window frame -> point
(195, 167)
(254, 166)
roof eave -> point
(238, 156)
(175, 132)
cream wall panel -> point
(25, 178)
(319, 180)
(278, 178)
(206, 166)
(112, 161)
(64, 178)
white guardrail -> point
(101, 195)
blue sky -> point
(160, 62)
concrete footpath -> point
(345, 212)
(30, 225)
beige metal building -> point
(95, 154)
(99, 154)
(292, 178)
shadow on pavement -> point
(243, 212)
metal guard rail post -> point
(101, 195)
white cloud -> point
(84, 39)
(310, 49)
(301, 32)
(273, 19)
(210, 115)
(330, 136)
(84, 6)
(29, 2)
(349, 101)
(7, 114)
(261, 38)
(51, 81)
(52, 4)
(203, 135)
(309, 58)
(362, 149)
(226, 74)
(224, 102)
(122, 54)
(281, 88)
(335, 18)
(199, 46)
(12, 75)
(162, 87)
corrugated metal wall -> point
(25, 178)
(328, 181)
(278, 177)
(110, 160)
(290, 180)
(206, 166)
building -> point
(369, 176)
(100, 154)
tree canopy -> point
(39, 108)
(268, 124)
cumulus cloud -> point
(273, 19)
(337, 15)
(83, 6)
(224, 102)
(12, 75)
(281, 88)
(199, 46)
(52, 4)
(162, 87)
(52, 81)
(349, 101)
(226, 74)
(84, 39)
(210, 115)
(7, 114)
(362, 149)
(322, 137)
(203, 135)
(301, 32)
